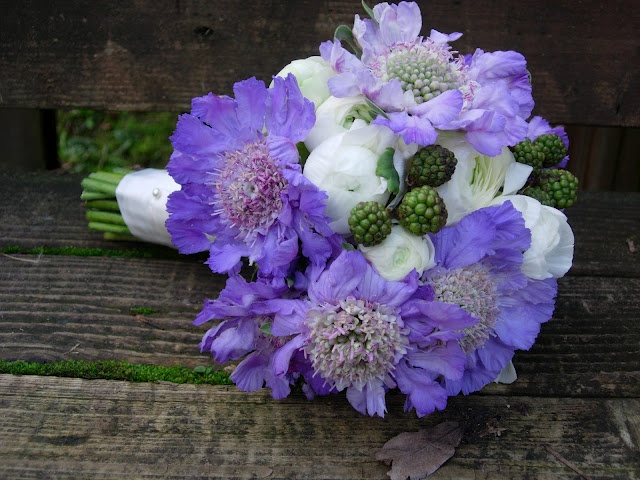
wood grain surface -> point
(73, 428)
(573, 413)
(149, 55)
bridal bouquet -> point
(388, 213)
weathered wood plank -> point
(73, 428)
(80, 307)
(60, 307)
(45, 210)
(604, 224)
(158, 55)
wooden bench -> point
(68, 294)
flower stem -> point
(101, 216)
(108, 227)
(95, 185)
(120, 237)
(105, 205)
(103, 212)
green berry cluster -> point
(545, 151)
(530, 154)
(561, 185)
(432, 165)
(422, 211)
(369, 223)
(539, 194)
(553, 148)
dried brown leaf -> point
(416, 455)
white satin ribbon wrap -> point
(142, 198)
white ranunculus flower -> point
(477, 178)
(552, 241)
(336, 115)
(312, 74)
(344, 166)
(400, 253)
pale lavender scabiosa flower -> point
(365, 335)
(243, 333)
(422, 84)
(243, 194)
(479, 271)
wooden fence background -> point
(584, 57)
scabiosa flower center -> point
(473, 289)
(425, 69)
(248, 189)
(354, 342)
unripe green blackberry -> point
(369, 223)
(432, 165)
(539, 194)
(422, 211)
(529, 153)
(552, 147)
(561, 185)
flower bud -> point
(312, 74)
(400, 253)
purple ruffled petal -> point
(369, 400)
(399, 23)
(423, 392)
(289, 113)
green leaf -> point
(200, 369)
(303, 151)
(369, 11)
(344, 34)
(376, 109)
(385, 169)
(266, 328)
(348, 246)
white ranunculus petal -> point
(477, 178)
(508, 374)
(344, 166)
(517, 175)
(400, 253)
(560, 259)
(311, 74)
(552, 240)
(334, 116)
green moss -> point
(142, 311)
(114, 370)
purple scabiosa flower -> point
(478, 270)
(351, 328)
(244, 332)
(243, 193)
(423, 85)
(495, 112)
(415, 80)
